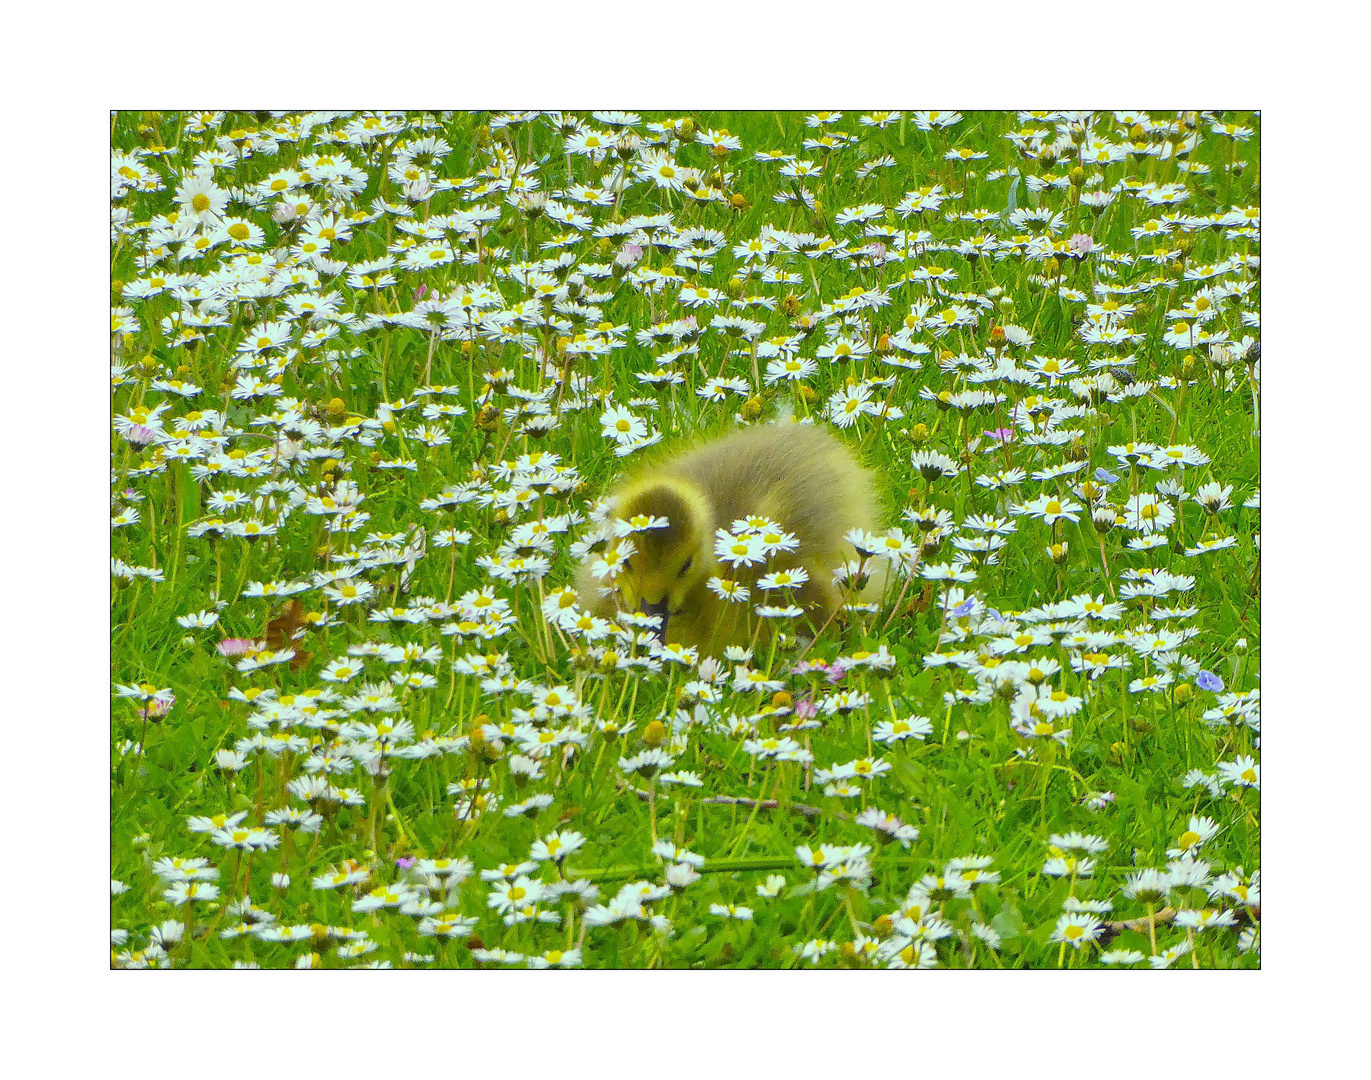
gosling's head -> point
(671, 560)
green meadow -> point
(373, 375)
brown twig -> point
(1166, 915)
(730, 800)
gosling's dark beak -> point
(659, 608)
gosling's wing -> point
(800, 475)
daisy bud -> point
(1183, 693)
(487, 418)
(654, 734)
(997, 337)
(1077, 177)
(752, 408)
(1057, 552)
(533, 202)
(781, 699)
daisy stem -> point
(913, 565)
(737, 844)
(399, 820)
(244, 892)
(652, 807)
(188, 933)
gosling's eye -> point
(685, 567)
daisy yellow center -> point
(200, 203)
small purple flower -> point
(1104, 476)
(234, 646)
(875, 251)
(836, 671)
(1000, 435)
(806, 709)
(140, 435)
(1082, 244)
(160, 704)
(964, 608)
(1207, 680)
(405, 862)
(419, 293)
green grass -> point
(974, 786)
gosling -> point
(798, 476)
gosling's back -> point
(798, 475)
